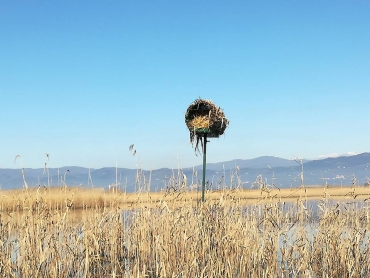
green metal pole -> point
(204, 165)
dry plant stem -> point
(177, 237)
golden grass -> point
(200, 122)
(79, 198)
(75, 232)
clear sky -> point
(82, 80)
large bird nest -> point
(202, 118)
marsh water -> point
(302, 224)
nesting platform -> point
(203, 117)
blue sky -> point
(82, 80)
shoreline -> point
(82, 198)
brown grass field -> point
(76, 232)
(79, 198)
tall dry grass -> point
(224, 237)
(268, 240)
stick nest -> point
(204, 117)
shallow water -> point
(288, 233)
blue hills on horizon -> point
(343, 170)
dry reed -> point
(223, 237)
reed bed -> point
(223, 237)
(77, 198)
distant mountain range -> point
(255, 163)
(343, 170)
